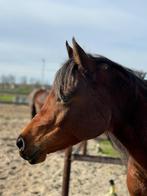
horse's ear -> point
(80, 57)
(69, 50)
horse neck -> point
(130, 128)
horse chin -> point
(37, 159)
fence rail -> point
(99, 159)
(11, 102)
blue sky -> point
(34, 29)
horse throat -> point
(133, 136)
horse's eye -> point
(105, 66)
(63, 99)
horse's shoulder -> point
(136, 178)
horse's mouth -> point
(36, 157)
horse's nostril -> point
(20, 143)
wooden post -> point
(84, 147)
(66, 171)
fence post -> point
(66, 171)
(84, 147)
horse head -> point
(78, 107)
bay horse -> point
(36, 100)
(92, 95)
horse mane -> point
(134, 79)
(134, 75)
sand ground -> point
(19, 178)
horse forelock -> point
(65, 81)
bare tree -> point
(23, 80)
(4, 81)
(11, 81)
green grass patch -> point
(24, 90)
(107, 149)
(7, 98)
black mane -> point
(126, 71)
